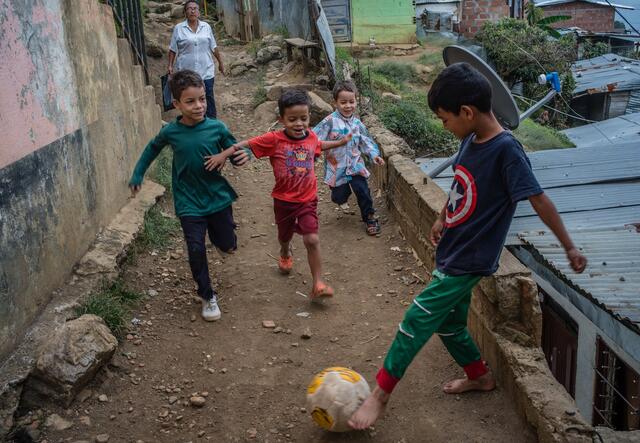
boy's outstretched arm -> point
(369, 147)
(326, 145)
(547, 212)
(217, 161)
(151, 151)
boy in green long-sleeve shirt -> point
(202, 198)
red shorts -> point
(301, 218)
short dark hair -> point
(344, 85)
(293, 97)
(182, 80)
(458, 85)
(184, 7)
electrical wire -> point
(577, 115)
(522, 97)
(623, 17)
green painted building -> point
(386, 21)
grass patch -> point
(157, 230)
(161, 171)
(113, 304)
(259, 95)
(431, 59)
(536, 137)
(398, 72)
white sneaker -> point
(210, 310)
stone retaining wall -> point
(505, 317)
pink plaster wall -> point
(38, 102)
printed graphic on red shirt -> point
(463, 197)
(298, 160)
(292, 161)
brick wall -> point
(588, 16)
(476, 12)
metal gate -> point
(338, 14)
(128, 17)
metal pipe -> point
(441, 167)
(526, 114)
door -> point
(338, 14)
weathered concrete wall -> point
(388, 21)
(505, 317)
(75, 115)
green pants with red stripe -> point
(441, 308)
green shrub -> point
(536, 137)
(112, 304)
(416, 124)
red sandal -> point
(321, 291)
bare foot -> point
(458, 386)
(370, 410)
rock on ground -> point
(265, 55)
(266, 113)
(57, 423)
(71, 358)
(319, 108)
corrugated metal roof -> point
(612, 279)
(607, 73)
(591, 187)
(542, 4)
(625, 128)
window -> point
(559, 342)
(616, 403)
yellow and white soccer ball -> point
(333, 396)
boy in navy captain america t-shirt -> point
(492, 174)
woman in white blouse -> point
(193, 46)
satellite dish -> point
(502, 103)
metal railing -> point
(128, 15)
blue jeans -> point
(221, 227)
(211, 101)
(360, 187)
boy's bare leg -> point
(312, 243)
(370, 410)
(485, 382)
(285, 248)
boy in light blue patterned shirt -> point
(345, 170)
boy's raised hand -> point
(378, 160)
(214, 162)
(577, 261)
(240, 157)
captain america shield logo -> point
(462, 198)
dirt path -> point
(256, 379)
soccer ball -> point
(333, 396)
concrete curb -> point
(100, 264)
(505, 317)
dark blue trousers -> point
(360, 187)
(211, 101)
(221, 229)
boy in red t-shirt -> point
(292, 154)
